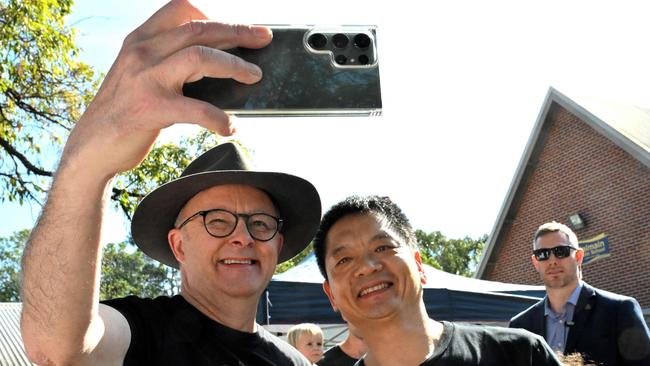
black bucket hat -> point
(296, 199)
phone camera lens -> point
(317, 41)
(363, 60)
(340, 40)
(341, 59)
(361, 41)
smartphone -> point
(308, 71)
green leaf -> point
(458, 256)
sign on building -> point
(595, 248)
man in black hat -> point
(225, 226)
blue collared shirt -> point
(557, 329)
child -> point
(308, 339)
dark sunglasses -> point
(559, 252)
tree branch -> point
(25, 190)
(117, 192)
(30, 109)
(15, 153)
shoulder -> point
(496, 334)
(148, 320)
(607, 296)
(610, 301)
(502, 345)
(498, 337)
(527, 314)
(135, 302)
(139, 311)
(127, 324)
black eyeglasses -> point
(221, 223)
(559, 252)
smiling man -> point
(574, 317)
(222, 224)
(367, 252)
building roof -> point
(626, 126)
(12, 351)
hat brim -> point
(297, 200)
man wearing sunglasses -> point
(574, 317)
(224, 225)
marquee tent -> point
(296, 296)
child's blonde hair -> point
(305, 328)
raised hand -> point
(142, 92)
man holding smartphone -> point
(224, 225)
(575, 317)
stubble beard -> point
(564, 280)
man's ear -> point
(580, 255)
(418, 262)
(328, 292)
(175, 240)
(280, 242)
(535, 262)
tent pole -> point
(268, 314)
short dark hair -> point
(382, 206)
(552, 227)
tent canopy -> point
(296, 296)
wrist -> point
(83, 170)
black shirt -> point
(170, 331)
(466, 344)
(336, 357)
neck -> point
(234, 313)
(353, 346)
(558, 297)
(413, 333)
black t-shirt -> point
(466, 344)
(336, 357)
(170, 331)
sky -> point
(462, 85)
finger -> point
(205, 33)
(173, 14)
(193, 63)
(184, 109)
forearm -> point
(61, 266)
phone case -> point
(308, 71)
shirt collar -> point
(573, 300)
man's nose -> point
(241, 236)
(369, 264)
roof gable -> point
(626, 126)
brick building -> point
(588, 158)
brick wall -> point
(580, 170)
